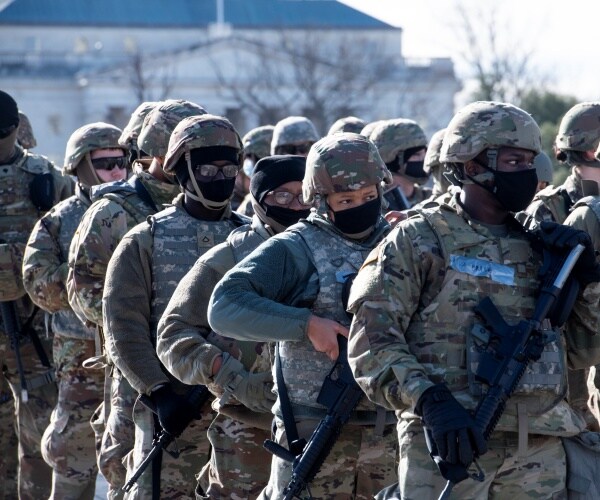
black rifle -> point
(13, 330)
(196, 396)
(340, 394)
(502, 365)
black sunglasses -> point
(110, 163)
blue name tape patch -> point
(479, 267)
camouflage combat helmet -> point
(200, 131)
(432, 156)
(257, 142)
(132, 130)
(25, 135)
(369, 127)
(543, 167)
(485, 125)
(347, 124)
(393, 137)
(342, 162)
(579, 131)
(293, 130)
(86, 139)
(160, 123)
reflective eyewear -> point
(229, 171)
(285, 198)
(109, 164)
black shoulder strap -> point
(567, 199)
(295, 445)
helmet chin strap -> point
(198, 196)
(479, 179)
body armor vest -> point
(123, 193)
(447, 337)
(18, 214)
(554, 199)
(70, 212)
(178, 241)
(335, 258)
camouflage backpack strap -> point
(592, 202)
(557, 200)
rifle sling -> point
(35, 339)
(156, 465)
(291, 431)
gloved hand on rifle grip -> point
(564, 238)
(452, 427)
(174, 411)
(253, 390)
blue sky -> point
(563, 37)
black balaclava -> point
(270, 173)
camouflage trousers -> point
(8, 441)
(68, 444)
(177, 475)
(359, 465)
(239, 464)
(114, 428)
(539, 472)
(583, 396)
(32, 417)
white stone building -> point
(70, 62)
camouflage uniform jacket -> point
(398, 288)
(117, 210)
(552, 203)
(18, 214)
(186, 345)
(137, 285)
(45, 264)
(269, 296)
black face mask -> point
(285, 216)
(217, 191)
(415, 169)
(515, 190)
(358, 219)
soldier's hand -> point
(559, 237)
(174, 411)
(253, 390)
(323, 334)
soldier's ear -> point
(471, 168)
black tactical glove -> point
(452, 427)
(174, 412)
(562, 238)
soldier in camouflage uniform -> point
(93, 155)
(129, 137)
(195, 355)
(205, 155)
(415, 341)
(289, 290)
(29, 185)
(402, 146)
(257, 145)
(576, 142)
(433, 167)
(347, 124)
(293, 135)
(116, 208)
(25, 136)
